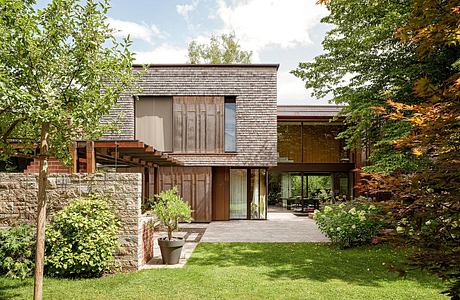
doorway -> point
(248, 194)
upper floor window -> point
(154, 121)
(187, 124)
(230, 124)
(309, 142)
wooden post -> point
(41, 213)
(90, 157)
(74, 153)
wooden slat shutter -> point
(198, 124)
(194, 185)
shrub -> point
(17, 250)
(82, 238)
(171, 209)
(349, 224)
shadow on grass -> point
(8, 288)
(320, 262)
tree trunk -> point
(41, 213)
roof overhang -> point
(129, 153)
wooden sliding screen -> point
(194, 185)
(198, 125)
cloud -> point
(164, 53)
(291, 88)
(135, 30)
(185, 9)
(260, 23)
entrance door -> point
(238, 194)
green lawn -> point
(252, 271)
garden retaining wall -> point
(18, 204)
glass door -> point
(238, 194)
(258, 194)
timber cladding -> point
(255, 89)
(194, 185)
(198, 124)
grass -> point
(252, 271)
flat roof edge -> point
(208, 65)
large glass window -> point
(258, 193)
(301, 191)
(309, 142)
(319, 143)
(290, 142)
(238, 194)
(248, 193)
(230, 124)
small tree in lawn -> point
(55, 66)
(171, 209)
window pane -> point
(263, 194)
(320, 144)
(154, 121)
(238, 194)
(230, 127)
(289, 142)
(254, 194)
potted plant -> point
(170, 209)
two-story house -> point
(214, 125)
(216, 133)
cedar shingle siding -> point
(255, 91)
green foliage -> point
(363, 65)
(56, 64)
(171, 209)
(17, 246)
(225, 50)
(349, 224)
(82, 239)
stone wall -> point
(255, 88)
(18, 204)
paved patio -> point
(279, 227)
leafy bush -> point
(171, 209)
(82, 238)
(17, 246)
(349, 224)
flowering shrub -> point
(82, 239)
(349, 224)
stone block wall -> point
(255, 88)
(18, 204)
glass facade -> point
(308, 142)
(248, 194)
(238, 194)
(303, 191)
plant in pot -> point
(170, 209)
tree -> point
(363, 65)
(404, 100)
(225, 50)
(61, 71)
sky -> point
(283, 32)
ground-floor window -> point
(304, 191)
(248, 194)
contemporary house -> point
(210, 130)
(216, 133)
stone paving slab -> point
(279, 227)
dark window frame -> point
(230, 100)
